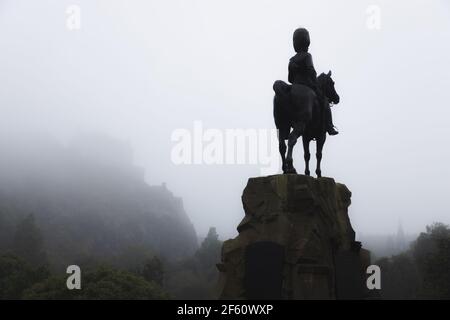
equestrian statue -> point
(302, 108)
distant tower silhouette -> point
(390, 245)
(400, 240)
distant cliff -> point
(295, 242)
(90, 202)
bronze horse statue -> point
(298, 107)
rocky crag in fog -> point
(295, 242)
(89, 202)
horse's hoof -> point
(307, 173)
(291, 171)
(289, 168)
(319, 174)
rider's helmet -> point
(301, 40)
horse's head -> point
(326, 84)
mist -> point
(139, 70)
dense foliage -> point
(423, 272)
(102, 283)
(135, 273)
(16, 275)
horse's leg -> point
(306, 154)
(297, 130)
(320, 142)
(282, 148)
(283, 127)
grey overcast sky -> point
(138, 70)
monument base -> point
(295, 242)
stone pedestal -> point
(295, 242)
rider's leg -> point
(329, 121)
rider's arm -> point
(290, 72)
(310, 67)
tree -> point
(16, 275)
(197, 277)
(7, 225)
(399, 277)
(28, 242)
(432, 256)
(423, 271)
(103, 283)
(153, 271)
(209, 252)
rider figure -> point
(301, 71)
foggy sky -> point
(138, 70)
